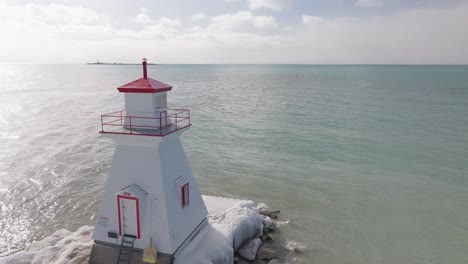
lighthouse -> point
(151, 194)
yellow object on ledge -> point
(150, 255)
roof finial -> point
(145, 73)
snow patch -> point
(216, 204)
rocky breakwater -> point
(266, 249)
(238, 231)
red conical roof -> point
(145, 85)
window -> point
(161, 101)
(185, 195)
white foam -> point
(293, 245)
(61, 247)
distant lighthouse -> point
(150, 192)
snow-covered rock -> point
(263, 209)
(267, 222)
(209, 247)
(226, 232)
(61, 247)
(239, 223)
(249, 250)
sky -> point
(235, 31)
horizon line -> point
(273, 64)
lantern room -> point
(145, 95)
(146, 111)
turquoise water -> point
(371, 162)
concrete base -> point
(103, 253)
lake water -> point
(371, 162)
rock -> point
(265, 253)
(243, 261)
(274, 261)
(272, 227)
(250, 249)
(263, 209)
(269, 226)
(265, 237)
(273, 214)
(297, 250)
(267, 222)
(259, 261)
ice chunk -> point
(267, 222)
(263, 209)
(226, 232)
(209, 247)
(238, 223)
(249, 250)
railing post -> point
(130, 124)
(121, 118)
(102, 125)
(176, 121)
(188, 111)
(160, 123)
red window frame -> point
(185, 195)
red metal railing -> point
(168, 122)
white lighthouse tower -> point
(150, 192)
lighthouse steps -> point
(126, 248)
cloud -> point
(169, 22)
(369, 3)
(428, 35)
(40, 33)
(143, 18)
(276, 5)
(235, 20)
(198, 16)
(54, 14)
(264, 22)
(307, 20)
